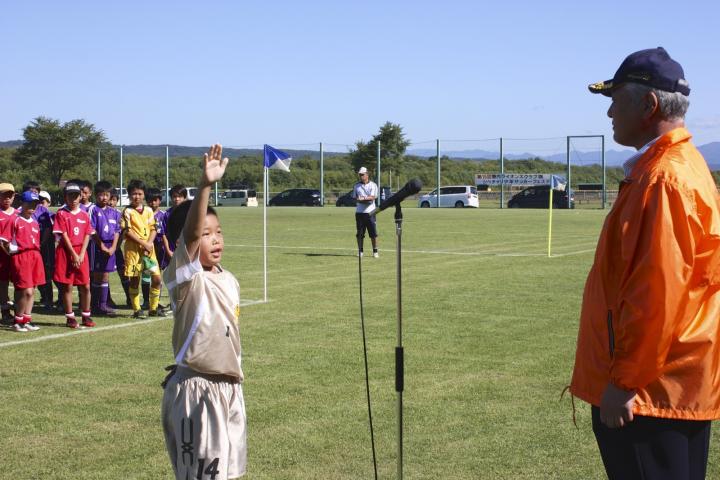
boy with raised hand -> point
(106, 222)
(138, 225)
(203, 410)
(72, 267)
(7, 215)
(27, 265)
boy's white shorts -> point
(205, 427)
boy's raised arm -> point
(213, 169)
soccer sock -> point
(104, 290)
(94, 295)
(19, 320)
(70, 316)
(125, 281)
(27, 318)
(154, 298)
(145, 291)
(135, 298)
(85, 315)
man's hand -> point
(213, 165)
(616, 406)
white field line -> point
(484, 253)
(81, 331)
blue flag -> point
(557, 182)
(277, 159)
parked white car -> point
(457, 196)
(239, 198)
(123, 198)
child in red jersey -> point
(7, 215)
(27, 270)
(72, 267)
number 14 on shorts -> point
(211, 469)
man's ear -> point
(651, 105)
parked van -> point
(458, 196)
(239, 198)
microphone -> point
(410, 188)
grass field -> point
(489, 332)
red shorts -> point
(5, 266)
(66, 273)
(27, 269)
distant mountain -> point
(613, 158)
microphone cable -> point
(367, 377)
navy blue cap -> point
(29, 196)
(652, 67)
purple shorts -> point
(101, 261)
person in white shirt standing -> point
(365, 192)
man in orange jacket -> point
(648, 352)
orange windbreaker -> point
(651, 307)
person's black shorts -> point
(365, 221)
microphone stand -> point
(399, 354)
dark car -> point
(346, 200)
(539, 197)
(297, 197)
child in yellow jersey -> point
(138, 226)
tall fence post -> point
(567, 155)
(604, 192)
(437, 154)
(502, 175)
(379, 182)
(98, 174)
(121, 177)
(322, 176)
(167, 175)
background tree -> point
(392, 148)
(52, 148)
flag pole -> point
(265, 201)
(550, 218)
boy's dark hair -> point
(113, 194)
(178, 190)
(152, 194)
(30, 184)
(176, 222)
(103, 186)
(136, 185)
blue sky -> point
(293, 73)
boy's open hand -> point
(213, 165)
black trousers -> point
(652, 448)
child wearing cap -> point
(7, 215)
(73, 227)
(27, 270)
(105, 221)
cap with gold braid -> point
(652, 67)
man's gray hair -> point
(673, 105)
